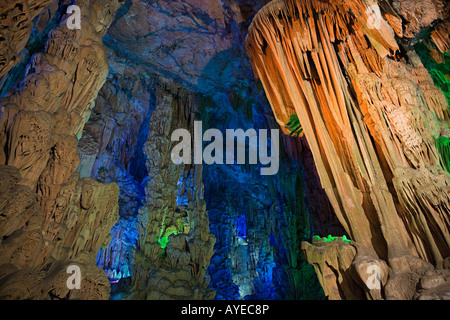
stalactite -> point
(441, 37)
(369, 118)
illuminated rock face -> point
(174, 245)
(118, 127)
(377, 126)
(15, 29)
(371, 115)
(36, 250)
(65, 215)
(71, 217)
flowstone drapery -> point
(371, 115)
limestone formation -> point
(371, 116)
(174, 243)
(22, 245)
(51, 283)
(62, 217)
(118, 129)
(15, 29)
(179, 44)
(420, 14)
(441, 38)
(359, 87)
(34, 260)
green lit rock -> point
(443, 145)
(330, 238)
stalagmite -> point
(371, 117)
(172, 234)
(40, 123)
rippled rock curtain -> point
(371, 115)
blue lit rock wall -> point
(259, 223)
(111, 151)
(174, 244)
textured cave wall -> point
(372, 116)
(259, 222)
(15, 30)
(271, 265)
(52, 217)
(86, 174)
(178, 39)
(109, 152)
(174, 245)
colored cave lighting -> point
(115, 276)
(294, 126)
(241, 226)
(443, 145)
(438, 71)
(173, 229)
(164, 239)
(330, 238)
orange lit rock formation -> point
(371, 115)
(48, 214)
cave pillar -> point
(173, 225)
(41, 122)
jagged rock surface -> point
(174, 243)
(180, 39)
(259, 269)
(33, 266)
(67, 218)
(109, 139)
(119, 126)
(372, 140)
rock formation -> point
(116, 130)
(174, 244)
(16, 25)
(63, 218)
(371, 115)
(33, 264)
(256, 268)
(360, 88)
